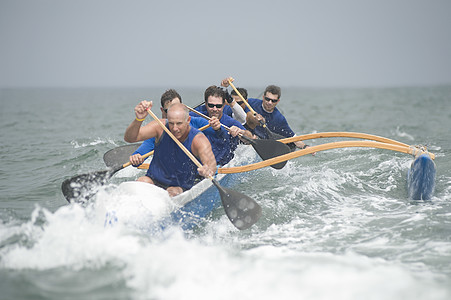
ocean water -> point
(337, 225)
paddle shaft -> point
(226, 127)
(204, 116)
(241, 96)
(144, 156)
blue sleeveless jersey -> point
(170, 165)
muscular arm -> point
(201, 148)
(135, 132)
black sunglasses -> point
(240, 102)
(211, 105)
(273, 100)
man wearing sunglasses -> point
(267, 111)
(224, 142)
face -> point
(164, 110)
(214, 111)
(238, 100)
(268, 101)
(179, 124)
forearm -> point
(238, 112)
(208, 159)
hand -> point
(234, 131)
(301, 145)
(253, 120)
(225, 82)
(136, 159)
(214, 123)
(205, 171)
(260, 118)
(141, 109)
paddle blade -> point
(274, 136)
(82, 187)
(117, 156)
(267, 149)
(241, 210)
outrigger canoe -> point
(191, 208)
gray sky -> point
(316, 43)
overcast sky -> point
(329, 43)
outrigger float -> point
(191, 208)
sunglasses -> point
(240, 102)
(211, 105)
(272, 100)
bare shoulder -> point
(200, 139)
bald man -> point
(171, 168)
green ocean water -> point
(335, 225)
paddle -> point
(271, 134)
(86, 185)
(241, 210)
(266, 149)
(113, 157)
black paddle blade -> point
(116, 156)
(271, 135)
(274, 136)
(241, 210)
(82, 187)
(271, 148)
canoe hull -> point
(421, 178)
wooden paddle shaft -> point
(342, 134)
(144, 156)
(335, 145)
(204, 116)
(242, 98)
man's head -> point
(214, 101)
(237, 98)
(271, 97)
(167, 99)
(178, 120)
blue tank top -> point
(170, 165)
